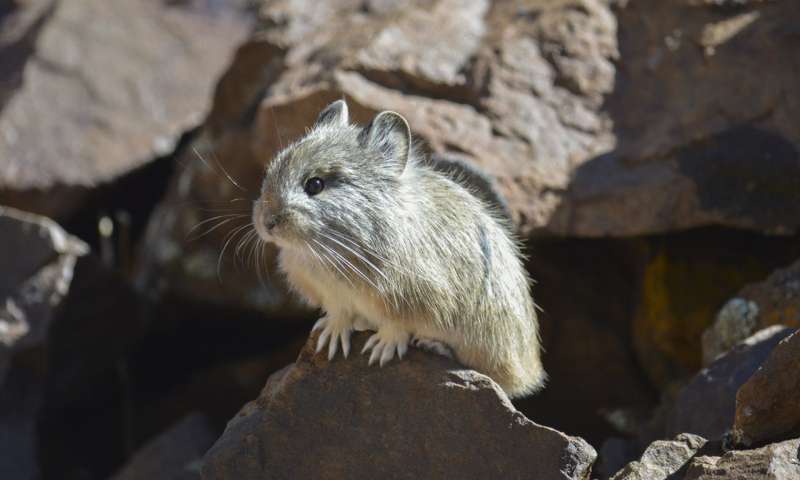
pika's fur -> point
(380, 240)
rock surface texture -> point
(773, 301)
(778, 461)
(174, 455)
(662, 459)
(38, 262)
(768, 404)
(707, 405)
(591, 121)
(423, 417)
(94, 89)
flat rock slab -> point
(707, 405)
(95, 88)
(662, 459)
(777, 461)
(175, 454)
(422, 417)
(768, 404)
(773, 301)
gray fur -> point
(395, 243)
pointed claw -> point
(323, 337)
(387, 355)
(346, 343)
(320, 323)
(370, 343)
(333, 346)
(402, 348)
(376, 353)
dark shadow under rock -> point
(422, 417)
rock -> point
(547, 98)
(778, 461)
(176, 454)
(38, 262)
(65, 324)
(340, 413)
(662, 459)
(773, 301)
(512, 89)
(707, 405)
(594, 380)
(735, 321)
(37, 265)
(768, 404)
(94, 89)
(701, 158)
(684, 280)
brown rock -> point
(37, 262)
(350, 420)
(526, 90)
(688, 151)
(95, 89)
(662, 459)
(768, 404)
(685, 279)
(176, 454)
(773, 301)
(57, 347)
(511, 88)
(778, 461)
(707, 405)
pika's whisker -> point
(230, 237)
(225, 173)
(332, 260)
(360, 257)
(224, 220)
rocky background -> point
(648, 151)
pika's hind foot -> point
(385, 343)
(433, 346)
(334, 331)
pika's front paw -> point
(334, 331)
(385, 344)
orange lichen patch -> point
(680, 297)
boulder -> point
(772, 301)
(91, 90)
(777, 461)
(37, 265)
(707, 405)
(516, 89)
(66, 321)
(662, 459)
(768, 404)
(176, 454)
(422, 417)
(548, 98)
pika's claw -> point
(385, 344)
(333, 332)
(346, 343)
(370, 343)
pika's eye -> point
(314, 185)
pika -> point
(377, 238)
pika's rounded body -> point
(381, 241)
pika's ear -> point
(388, 133)
(334, 114)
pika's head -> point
(335, 185)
